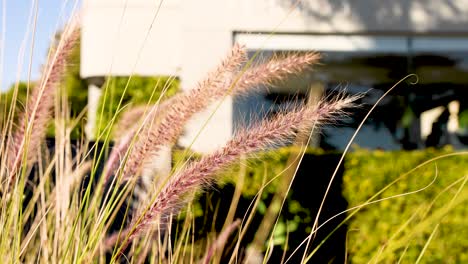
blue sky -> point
(15, 22)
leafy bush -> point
(387, 231)
(137, 90)
(399, 228)
(6, 101)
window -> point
(411, 116)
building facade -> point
(368, 46)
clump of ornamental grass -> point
(32, 126)
(69, 221)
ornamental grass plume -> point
(33, 122)
(130, 122)
(275, 70)
(214, 87)
(182, 108)
(129, 119)
(202, 173)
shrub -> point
(398, 229)
(132, 91)
(386, 231)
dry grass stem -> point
(220, 240)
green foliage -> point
(391, 229)
(131, 91)
(463, 121)
(6, 101)
(399, 228)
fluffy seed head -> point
(200, 174)
(33, 122)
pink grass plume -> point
(33, 122)
(213, 88)
(202, 173)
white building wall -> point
(188, 38)
(136, 38)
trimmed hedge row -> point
(393, 229)
(425, 216)
(400, 228)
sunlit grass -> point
(56, 206)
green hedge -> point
(400, 228)
(391, 229)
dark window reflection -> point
(432, 113)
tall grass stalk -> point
(58, 205)
(64, 221)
